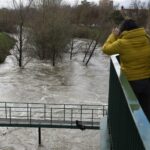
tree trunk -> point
(88, 50)
(71, 49)
(54, 55)
(20, 44)
(92, 53)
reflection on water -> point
(69, 82)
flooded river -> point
(69, 82)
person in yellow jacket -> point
(132, 43)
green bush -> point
(6, 43)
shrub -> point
(6, 43)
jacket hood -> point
(133, 33)
(136, 38)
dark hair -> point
(128, 25)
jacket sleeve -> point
(111, 46)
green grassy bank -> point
(6, 43)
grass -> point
(6, 43)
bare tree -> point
(21, 12)
(92, 52)
(52, 35)
(71, 48)
(138, 12)
(88, 49)
(105, 22)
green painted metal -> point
(43, 115)
(128, 125)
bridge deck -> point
(47, 123)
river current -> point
(69, 82)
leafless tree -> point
(21, 12)
(71, 48)
(52, 34)
(88, 49)
(92, 52)
(139, 12)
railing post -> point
(10, 114)
(92, 117)
(103, 111)
(6, 110)
(71, 116)
(30, 115)
(81, 114)
(27, 111)
(64, 112)
(44, 111)
(51, 115)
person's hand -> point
(116, 31)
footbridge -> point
(41, 115)
(75, 116)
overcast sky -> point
(6, 3)
(121, 2)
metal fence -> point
(128, 125)
(51, 115)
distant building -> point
(106, 3)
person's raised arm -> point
(111, 46)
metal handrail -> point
(129, 127)
(51, 112)
(52, 104)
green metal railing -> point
(128, 126)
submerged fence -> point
(128, 126)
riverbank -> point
(6, 43)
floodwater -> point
(69, 82)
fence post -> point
(64, 113)
(6, 109)
(81, 114)
(27, 111)
(51, 115)
(44, 111)
(30, 115)
(92, 117)
(71, 116)
(10, 114)
(103, 111)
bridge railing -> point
(52, 113)
(128, 125)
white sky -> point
(6, 3)
(121, 2)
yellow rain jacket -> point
(134, 49)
